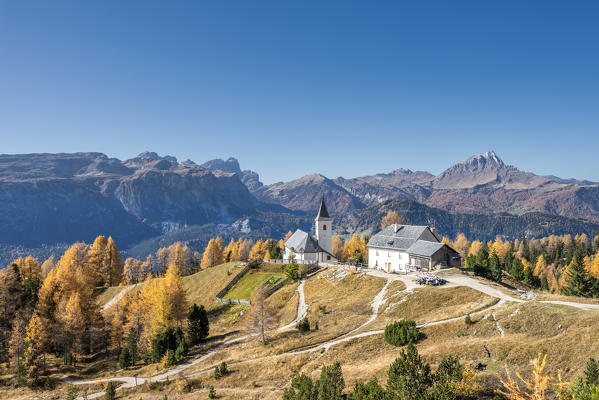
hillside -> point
(351, 310)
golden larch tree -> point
(115, 268)
(173, 287)
(337, 245)
(212, 255)
(258, 251)
(461, 245)
(391, 218)
(97, 263)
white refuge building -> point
(313, 248)
(399, 248)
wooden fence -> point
(236, 278)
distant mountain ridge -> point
(55, 199)
(482, 183)
(51, 198)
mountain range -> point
(150, 200)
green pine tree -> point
(578, 282)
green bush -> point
(292, 271)
(110, 391)
(468, 320)
(220, 370)
(211, 393)
(303, 325)
(401, 333)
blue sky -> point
(291, 88)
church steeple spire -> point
(322, 211)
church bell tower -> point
(324, 228)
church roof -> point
(302, 242)
(322, 211)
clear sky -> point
(290, 88)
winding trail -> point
(302, 310)
(117, 298)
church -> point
(313, 248)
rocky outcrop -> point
(54, 198)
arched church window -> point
(324, 227)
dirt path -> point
(117, 298)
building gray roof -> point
(407, 238)
(302, 242)
(425, 248)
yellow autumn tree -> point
(36, 339)
(540, 267)
(131, 271)
(228, 251)
(173, 287)
(97, 263)
(539, 386)
(356, 247)
(258, 251)
(48, 265)
(159, 306)
(115, 265)
(475, 247)
(73, 324)
(594, 266)
(391, 218)
(500, 248)
(461, 245)
(212, 255)
(162, 259)
(337, 245)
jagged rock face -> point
(186, 196)
(54, 198)
(229, 165)
(249, 178)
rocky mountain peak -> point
(480, 161)
(476, 170)
(218, 164)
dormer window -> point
(324, 227)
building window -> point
(328, 257)
(388, 254)
(324, 227)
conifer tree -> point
(115, 265)
(495, 268)
(409, 377)
(97, 262)
(197, 324)
(36, 339)
(578, 282)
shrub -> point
(181, 351)
(110, 391)
(468, 320)
(303, 325)
(292, 271)
(72, 392)
(220, 370)
(401, 333)
(211, 393)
